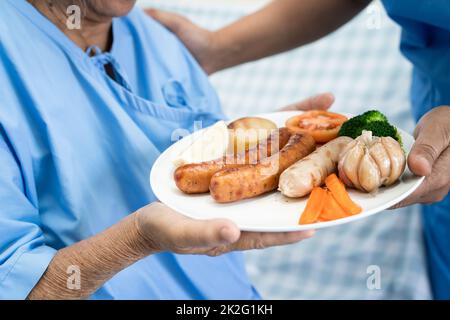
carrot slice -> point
(337, 189)
(331, 209)
(313, 206)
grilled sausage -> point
(252, 180)
(310, 172)
(195, 178)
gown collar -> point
(49, 28)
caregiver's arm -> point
(280, 26)
(152, 229)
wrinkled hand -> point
(199, 41)
(430, 157)
(167, 230)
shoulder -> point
(159, 49)
(15, 26)
(5, 8)
(8, 15)
(154, 37)
(157, 43)
(140, 20)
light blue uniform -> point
(426, 43)
(76, 148)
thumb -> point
(208, 233)
(430, 143)
(171, 21)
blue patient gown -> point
(77, 146)
(426, 43)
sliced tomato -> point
(322, 125)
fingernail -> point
(421, 166)
(310, 233)
(328, 94)
(303, 235)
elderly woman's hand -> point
(166, 230)
(430, 157)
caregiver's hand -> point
(167, 230)
(430, 157)
(200, 42)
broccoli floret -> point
(352, 128)
(383, 129)
(373, 115)
(373, 121)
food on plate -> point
(210, 144)
(246, 132)
(373, 121)
(252, 180)
(371, 162)
(340, 194)
(320, 177)
(314, 206)
(331, 209)
(252, 123)
(329, 204)
(311, 171)
(195, 177)
(322, 125)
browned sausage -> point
(252, 180)
(195, 177)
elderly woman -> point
(84, 112)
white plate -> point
(271, 212)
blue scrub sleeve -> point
(24, 257)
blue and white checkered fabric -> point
(361, 65)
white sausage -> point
(299, 179)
